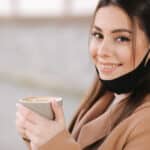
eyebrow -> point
(115, 31)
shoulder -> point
(142, 112)
(139, 135)
(140, 119)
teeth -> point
(108, 66)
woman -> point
(115, 115)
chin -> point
(106, 78)
(110, 77)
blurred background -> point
(43, 52)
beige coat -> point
(133, 133)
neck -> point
(119, 97)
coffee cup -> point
(41, 105)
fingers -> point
(26, 113)
(36, 128)
(20, 129)
(27, 119)
(20, 125)
(58, 110)
(19, 120)
(25, 128)
(29, 115)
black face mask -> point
(126, 83)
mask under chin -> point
(126, 83)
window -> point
(40, 7)
(5, 7)
(83, 7)
(46, 7)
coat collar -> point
(97, 123)
(86, 125)
(99, 127)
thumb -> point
(58, 112)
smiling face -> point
(111, 44)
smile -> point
(108, 68)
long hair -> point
(139, 9)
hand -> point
(37, 128)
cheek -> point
(124, 53)
(92, 50)
(126, 58)
(92, 53)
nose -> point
(104, 49)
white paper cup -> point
(41, 105)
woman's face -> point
(111, 45)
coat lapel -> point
(100, 126)
(88, 121)
(94, 130)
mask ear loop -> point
(147, 59)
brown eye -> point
(123, 39)
(97, 35)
